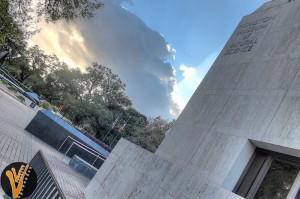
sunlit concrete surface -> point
(18, 145)
(250, 98)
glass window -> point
(269, 175)
(278, 181)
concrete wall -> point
(132, 172)
(55, 132)
(250, 97)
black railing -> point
(47, 186)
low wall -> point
(54, 131)
(82, 167)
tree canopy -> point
(53, 10)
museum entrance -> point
(270, 175)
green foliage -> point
(54, 10)
(46, 105)
(103, 86)
(21, 98)
(55, 109)
(12, 88)
(8, 28)
(151, 135)
(28, 63)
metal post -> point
(69, 149)
(62, 143)
(95, 160)
(113, 140)
(112, 127)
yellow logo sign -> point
(18, 180)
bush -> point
(21, 98)
(55, 109)
(46, 105)
(12, 88)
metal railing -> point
(97, 156)
(88, 149)
(21, 88)
(47, 186)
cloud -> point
(120, 40)
(138, 54)
(65, 41)
(192, 77)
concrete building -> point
(241, 123)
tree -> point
(61, 83)
(150, 136)
(8, 27)
(94, 118)
(53, 10)
(103, 86)
(27, 63)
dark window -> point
(278, 181)
(268, 175)
(298, 195)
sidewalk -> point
(18, 145)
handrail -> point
(12, 83)
(91, 149)
(17, 87)
(95, 154)
(14, 80)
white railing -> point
(84, 147)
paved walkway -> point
(18, 145)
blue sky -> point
(195, 28)
(161, 49)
